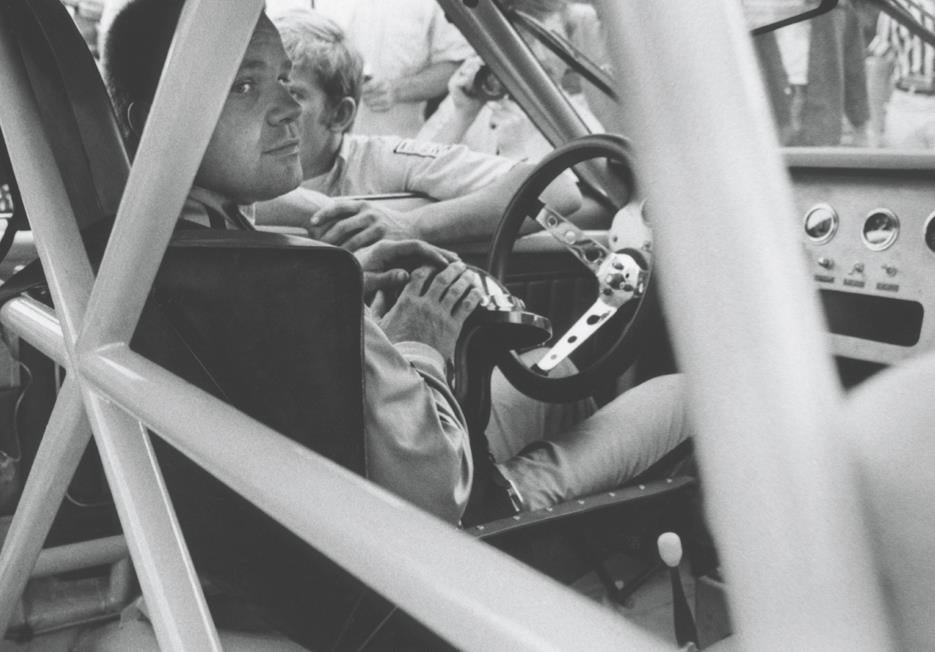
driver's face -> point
(253, 153)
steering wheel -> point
(622, 274)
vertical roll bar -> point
(747, 330)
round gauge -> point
(881, 228)
(930, 232)
(820, 223)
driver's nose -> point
(285, 109)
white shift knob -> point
(670, 548)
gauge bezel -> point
(929, 221)
(894, 235)
(835, 223)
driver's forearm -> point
(416, 436)
(476, 216)
(427, 83)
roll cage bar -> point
(794, 552)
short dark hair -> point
(312, 39)
(135, 51)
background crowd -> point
(852, 77)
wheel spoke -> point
(585, 248)
(587, 324)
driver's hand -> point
(353, 224)
(432, 309)
(386, 264)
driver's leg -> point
(517, 420)
(617, 443)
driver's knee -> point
(612, 447)
(517, 420)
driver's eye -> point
(243, 86)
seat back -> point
(272, 326)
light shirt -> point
(397, 38)
(373, 165)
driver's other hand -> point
(386, 264)
(432, 309)
(353, 224)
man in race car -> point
(416, 437)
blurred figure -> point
(586, 32)
(775, 80)
(499, 126)
(824, 63)
(410, 51)
(910, 112)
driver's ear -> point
(342, 115)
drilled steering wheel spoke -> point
(619, 276)
(585, 248)
(587, 325)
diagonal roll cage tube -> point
(454, 585)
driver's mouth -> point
(286, 148)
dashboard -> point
(867, 221)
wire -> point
(377, 629)
(15, 438)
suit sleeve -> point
(416, 435)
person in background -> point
(472, 189)
(585, 31)
(499, 126)
(910, 110)
(409, 49)
(824, 65)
